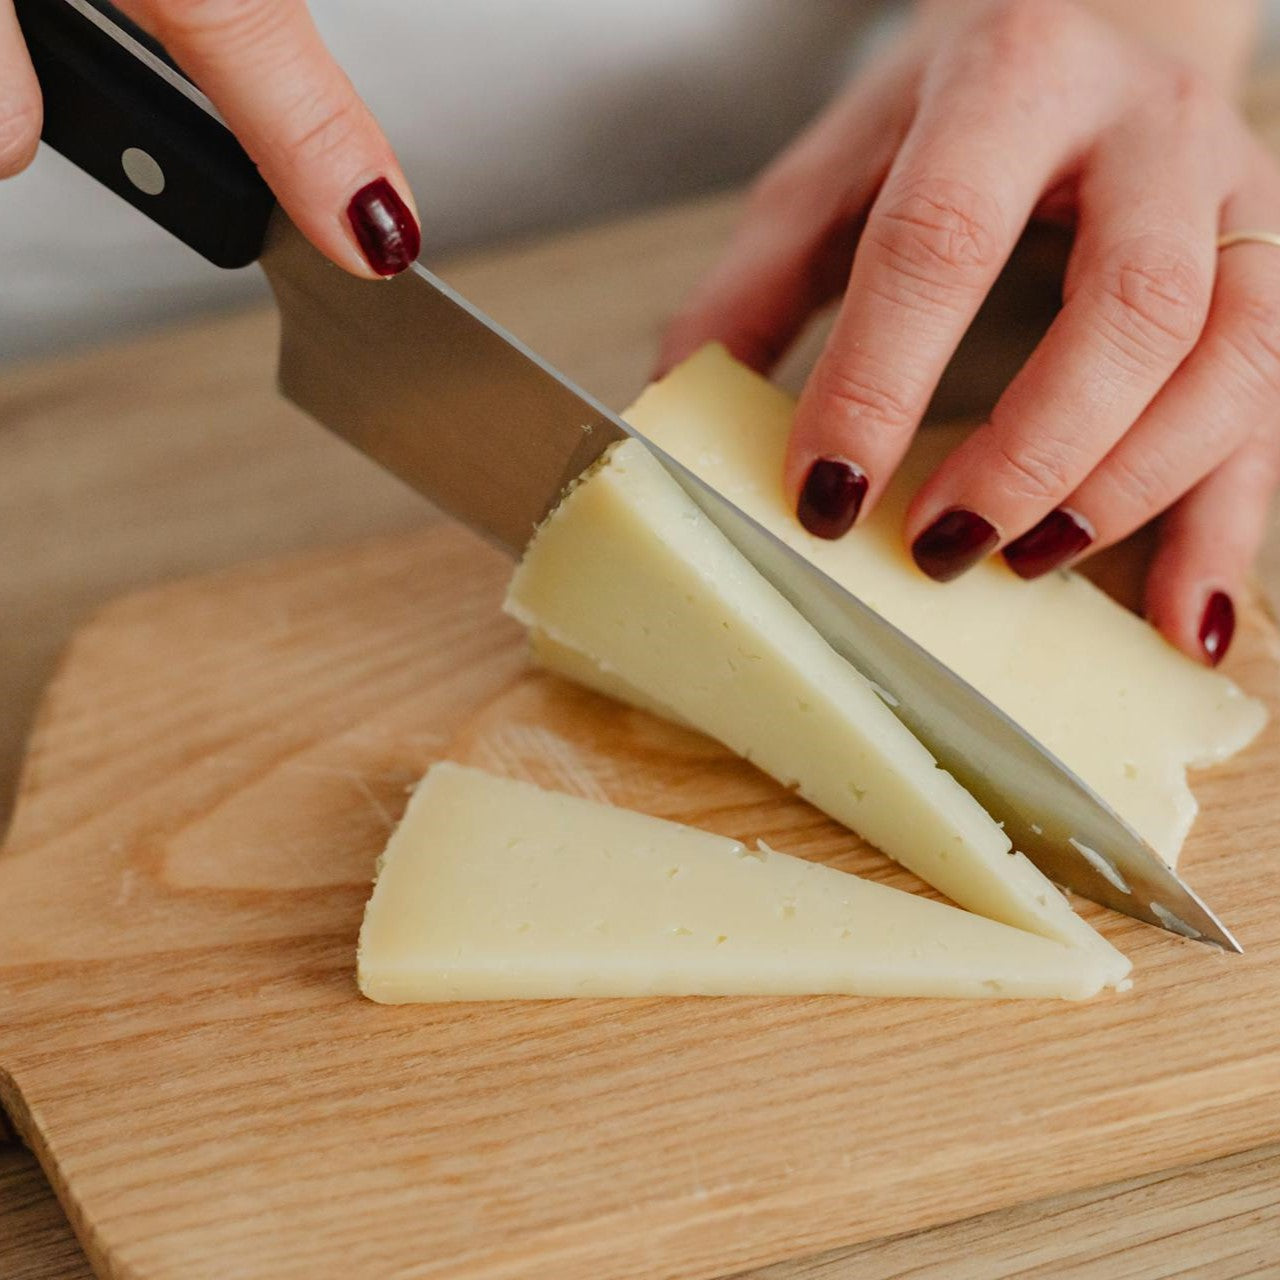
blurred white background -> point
(509, 117)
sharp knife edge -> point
(375, 362)
(413, 375)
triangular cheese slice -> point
(495, 889)
(629, 573)
(1097, 685)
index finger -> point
(20, 110)
(987, 141)
(265, 67)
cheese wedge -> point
(629, 573)
(572, 665)
(1098, 686)
(493, 889)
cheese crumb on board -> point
(631, 577)
(1099, 687)
(493, 889)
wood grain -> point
(213, 774)
(171, 455)
(36, 1242)
(1216, 1221)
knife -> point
(414, 376)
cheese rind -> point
(492, 888)
(1097, 685)
(629, 573)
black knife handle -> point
(117, 106)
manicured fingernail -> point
(1059, 537)
(385, 229)
(954, 542)
(831, 498)
(1217, 627)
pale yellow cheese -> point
(578, 667)
(629, 573)
(493, 889)
(1094, 683)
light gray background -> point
(510, 116)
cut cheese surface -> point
(1097, 685)
(629, 573)
(492, 888)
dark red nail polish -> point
(954, 542)
(386, 230)
(1059, 537)
(831, 498)
(1217, 627)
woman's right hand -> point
(266, 69)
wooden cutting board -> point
(214, 772)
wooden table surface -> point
(170, 455)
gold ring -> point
(1246, 236)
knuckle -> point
(1195, 99)
(1257, 464)
(939, 230)
(1156, 297)
(1137, 486)
(326, 126)
(859, 393)
(1183, 106)
(231, 24)
(1253, 335)
(1039, 473)
(19, 136)
(1020, 29)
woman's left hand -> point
(1157, 388)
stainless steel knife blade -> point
(417, 378)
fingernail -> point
(1059, 537)
(1217, 627)
(831, 498)
(385, 229)
(954, 542)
